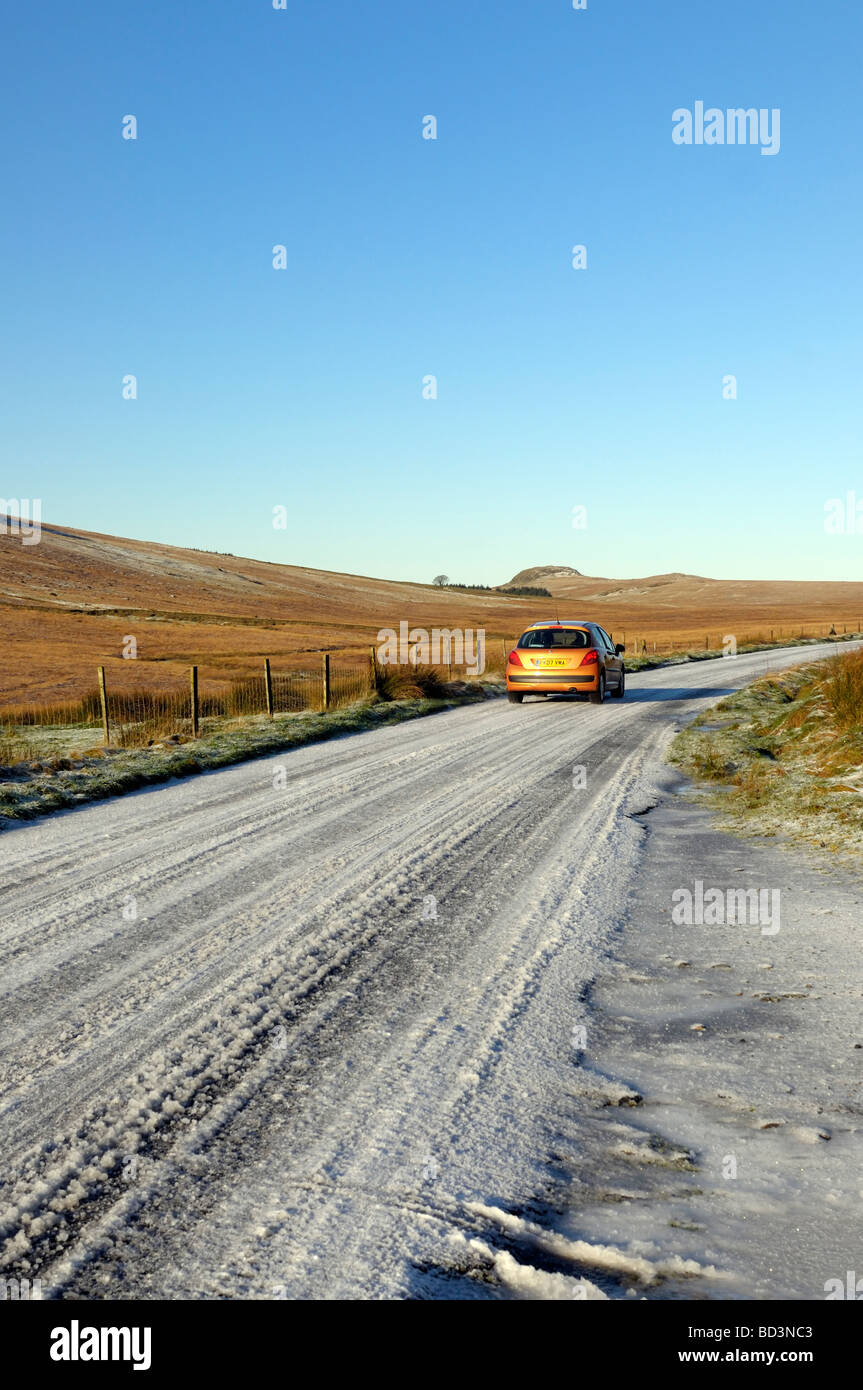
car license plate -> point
(551, 661)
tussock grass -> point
(844, 690)
(409, 683)
(787, 754)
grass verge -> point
(31, 789)
(785, 755)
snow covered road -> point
(294, 1028)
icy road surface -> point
(310, 1035)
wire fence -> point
(137, 717)
(653, 643)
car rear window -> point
(555, 637)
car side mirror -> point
(619, 647)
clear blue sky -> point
(409, 257)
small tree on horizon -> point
(441, 580)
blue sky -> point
(408, 257)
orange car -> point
(566, 658)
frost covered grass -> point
(35, 780)
(787, 753)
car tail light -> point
(514, 659)
(590, 658)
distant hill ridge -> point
(69, 603)
(543, 572)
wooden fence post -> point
(268, 685)
(373, 669)
(325, 679)
(193, 693)
(103, 696)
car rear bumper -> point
(548, 681)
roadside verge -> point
(784, 756)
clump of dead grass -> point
(843, 690)
(409, 683)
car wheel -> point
(597, 696)
(514, 697)
(621, 689)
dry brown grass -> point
(843, 690)
(409, 683)
(67, 604)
